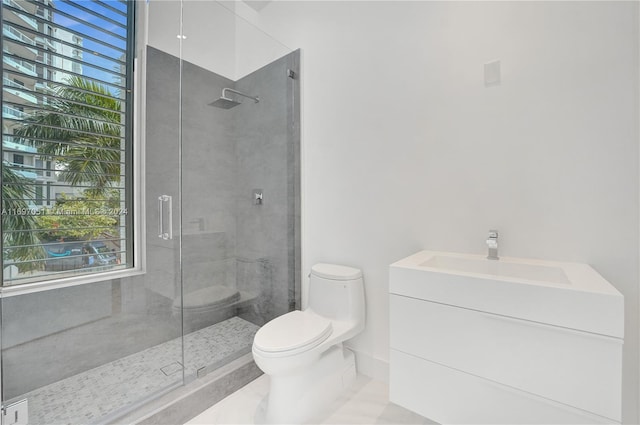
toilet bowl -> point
(302, 351)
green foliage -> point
(83, 130)
(79, 218)
(19, 241)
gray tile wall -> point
(226, 240)
(32, 316)
(226, 153)
(268, 139)
(208, 183)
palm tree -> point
(19, 239)
(81, 130)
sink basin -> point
(536, 272)
(569, 295)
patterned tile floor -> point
(99, 394)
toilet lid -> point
(210, 297)
(293, 330)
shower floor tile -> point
(102, 393)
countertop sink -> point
(507, 268)
(570, 295)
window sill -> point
(28, 288)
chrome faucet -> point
(492, 244)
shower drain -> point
(172, 368)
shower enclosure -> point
(215, 205)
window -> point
(67, 137)
(39, 194)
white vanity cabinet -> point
(456, 358)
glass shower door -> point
(239, 183)
(94, 329)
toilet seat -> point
(292, 333)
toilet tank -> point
(336, 292)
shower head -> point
(226, 102)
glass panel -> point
(94, 352)
(238, 250)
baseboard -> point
(372, 367)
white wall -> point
(405, 149)
(209, 29)
(216, 38)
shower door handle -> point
(162, 200)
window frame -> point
(133, 179)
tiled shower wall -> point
(226, 240)
(227, 154)
(268, 158)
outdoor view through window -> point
(66, 138)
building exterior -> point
(36, 53)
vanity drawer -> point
(448, 396)
(573, 367)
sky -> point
(112, 23)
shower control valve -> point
(257, 196)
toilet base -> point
(297, 398)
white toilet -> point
(302, 351)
